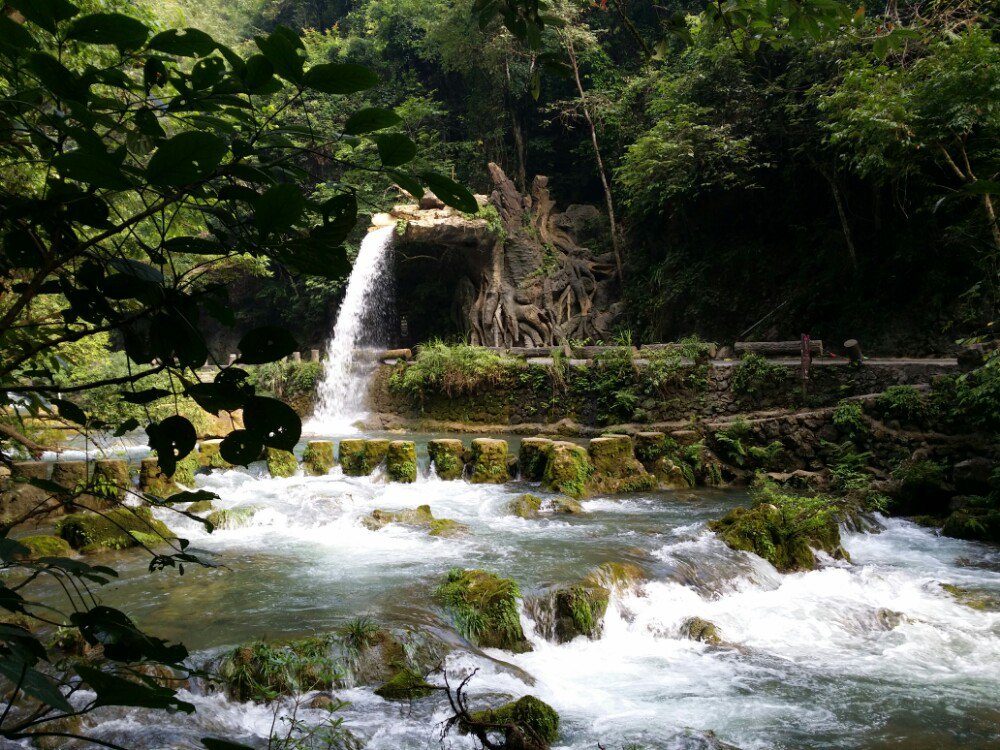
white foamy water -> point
(869, 655)
(360, 323)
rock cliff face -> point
(524, 275)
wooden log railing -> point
(778, 348)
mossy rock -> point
(702, 631)
(446, 527)
(209, 456)
(921, 488)
(405, 685)
(489, 461)
(232, 518)
(566, 506)
(187, 467)
(419, 516)
(532, 457)
(567, 469)
(118, 528)
(43, 545)
(376, 450)
(650, 446)
(71, 475)
(528, 723)
(525, 506)
(318, 459)
(981, 600)
(448, 458)
(974, 524)
(671, 475)
(401, 461)
(113, 472)
(359, 457)
(615, 469)
(785, 529)
(281, 463)
(154, 481)
(262, 671)
(620, 576)
(201, 506)
(485, 609)
(579, 610)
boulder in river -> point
(532, 457)
(359, 458)
(281, 463)
(565, 505)
(232, 518)
(525, 506)
(615, 468)
(485, 609)
(702, 631)
(44, 545)
(448, 457)
(526, 724)
(209, 456)
(262, 671)
(489, 461)
(318, 459)
(405, 685)
(567, 469)
(979, 522)
(401, 461)
(118, 528)
(420, 516)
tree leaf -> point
(91, 167)
(395, 149)
(144, 397)
(172, 439)
(408, 183)
(70, 411)
(57, 78)
(278, 208)
(266, 344)
(340, 78)
(281, 48)
(34, 683)
(241, 447)
(449, 191)
(186, 158)
(121, 640)
(137, 269)
(45, 13)
(109, 28)
(275, 424)
(187, 42)
(115, 691)
(216, 397)
(371, 119)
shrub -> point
(849, 416)
(453, 369)
(904, 402)
(755, 375)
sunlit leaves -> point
(285, 51)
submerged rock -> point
(525, 506)
(405, 685)
(567, 469)
(318, 459)
(281, 463)
(448, 457)
(785, 529)
(982, 600)
(232, 518)
(401, 461)
(702, 631)
(485, 609)
(532, 457)
(526, 724)
(615, 468)
(118, 528)
(489, 461)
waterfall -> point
(361, 323)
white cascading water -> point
(360, 323)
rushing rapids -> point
(868, 654)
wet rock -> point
(670, 475)
(650, 446)
(615, 468)
(785, 529)
(201, 506)
(485, 609)
(419, 517)
(532, 457)
(401, 461)
(405, 685)
(702, 631)
(43, 545)
(566, 505)
(232, 518)
(525, 506)
(118, 528)
(448, 458)
(323, 703)
(982, 600)
(527, 723)
(579, 610)
(973, 476)
(619, 576)
(209, 456)
(888, 619)
(920, 488)
(154, 481)
(489, 461)
(109, 483)
(360, 458)
(318, 459)
(446, 527)
(567, 469)
(281, 463)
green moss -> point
(202, 506)
(405, 685)
(525, 506)
(262, 671)
(566, 505)
(420, 516)
(567, 469)
(579, 610)
(701, 630)
(649, 446)
(784, 529)
(485, 609)
(617, 575)
(111, 478)
(446, 527)
(154, 481)
(281, 463)
(232, 518)
(401, 461)
(209, 456)
(317, 459)
(489, 461)
(187, 467)
(447, 456)
(46, 546)
(532, 457)
(352, 457)
(112, 529)
(981, 600)
(615, 468)
(527, 723)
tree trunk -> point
(597, 157)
